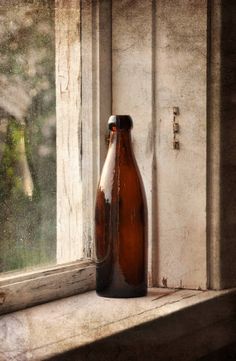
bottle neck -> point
(121, 137)
(120, 143)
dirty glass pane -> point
(27, 134)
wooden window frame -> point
(83, 102)
(21, 290)
(90, 81)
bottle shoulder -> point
(120, 173)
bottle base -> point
(111, 293)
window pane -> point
(27, 134)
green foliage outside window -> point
(27, 135)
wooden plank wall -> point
(132, 84)
(181, 80)
(143, 58)
(159, 61)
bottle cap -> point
(120, 122)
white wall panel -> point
(159, 54)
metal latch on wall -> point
(176, 144)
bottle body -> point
(121, 221)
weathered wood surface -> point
(69, 131)
(227, 185)
(88, 146)
(96, 104)
(159, 60)
(213, 147)
(153, 325)
(18, 291)
(83, 79)
(83, 74)
(132, 93)
(181, 78)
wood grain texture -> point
(228, 145)
(129, 329)
(18, 291)
(181, 78)
(69, 132)
(88, 145)
(83, 103)
(132, 91)
(213, 144)
(159, 60)
(83, 32)
(96, 104)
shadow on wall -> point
(228, 144)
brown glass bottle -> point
(121, 218)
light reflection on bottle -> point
(106, 182)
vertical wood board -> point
(69, 131)
(181, 78)
(87, 103)
(132, 84)
(213, 149)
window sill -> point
(20, 290)
(166, 322)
